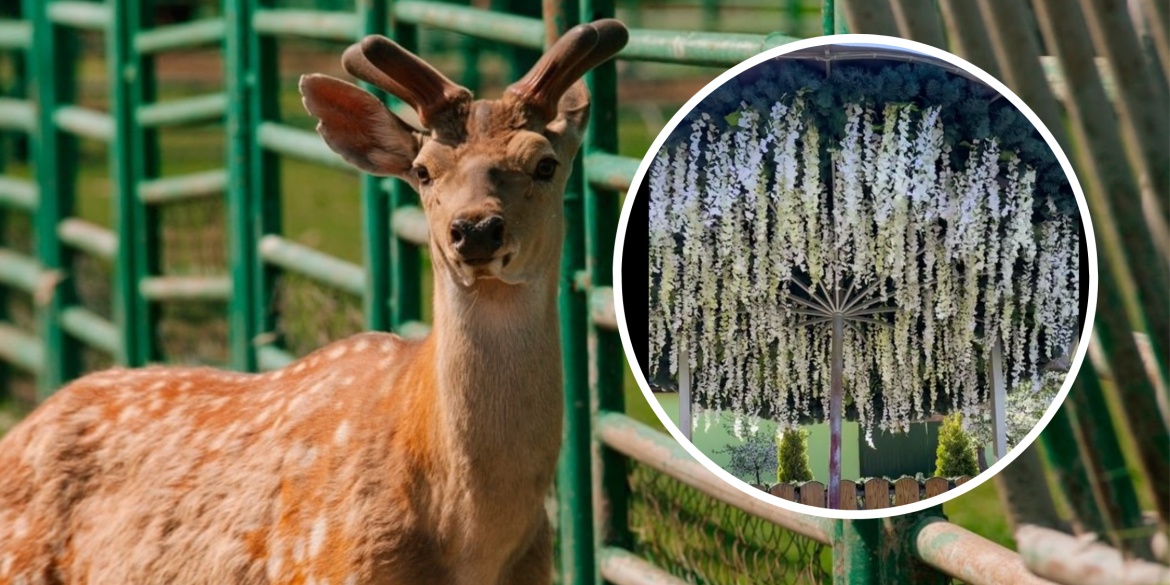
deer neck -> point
(498, 375)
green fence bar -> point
(698, 48)
(192, 110)
(85, 122)
(18, 194)
(410, 224)
(88, 237)
(483, 24)
(92, 329)
(242, 319)
(621, 567)
(262, 74)
(82, 15)
(601, 309)
(54, 154)
(376, 235)
(273, 358)
(17, 114)
(21, 349)
(313, 24)
(15, 35)
(1100, 451)
(184, 187)
(19, 271)
(319, 266)
(193, 288)
(187, 35)
(300, 144)
(610, 172)
(410, 230)
(968, 557)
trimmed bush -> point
(793, 456)
(956, 450)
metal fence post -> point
(375, 204)
(242, 322)
(55, 156)
(133, 157)
(405, 259)
(883, 552)
(611, 514)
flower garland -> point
(747, 231)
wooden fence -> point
(873, 494)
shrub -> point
(793, 456)
(956, 451)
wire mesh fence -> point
(702, 540)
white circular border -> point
(1090, 309)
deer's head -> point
(491, 173)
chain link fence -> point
(702, 540)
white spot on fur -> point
(127, 414)
(299, 550)
(317, 537)
(387, 346)
(346, 381)
(159, 385)
(361, 345)
(274, 564)
(337, 352)
(20, 528)
(341, 436)
(278, 374)
(351, 579)
(185, 386)
(300, 367)
(6, 565)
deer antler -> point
(582, 48)
(385, 64)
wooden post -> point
(835, 406)
(684, 390)
(998, 400)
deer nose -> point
(477, 242)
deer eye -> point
(545, 169)
(422, 174)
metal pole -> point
(684, 390)
(998, 400)
(835, 400)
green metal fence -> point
(632, 506)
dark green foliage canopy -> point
(969, 110)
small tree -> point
(754, 458)
(956, 452)
(793, 456)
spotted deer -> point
(374, 460)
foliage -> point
(956, 451)
(967, 110)
(755, 458)
(1025, 406)
(746, 227)
(793, 457)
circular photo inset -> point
(870, 274)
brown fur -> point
(371, 461)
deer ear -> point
(573, 107)
(359, 127)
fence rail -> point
(873, 494)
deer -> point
(373, 460)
